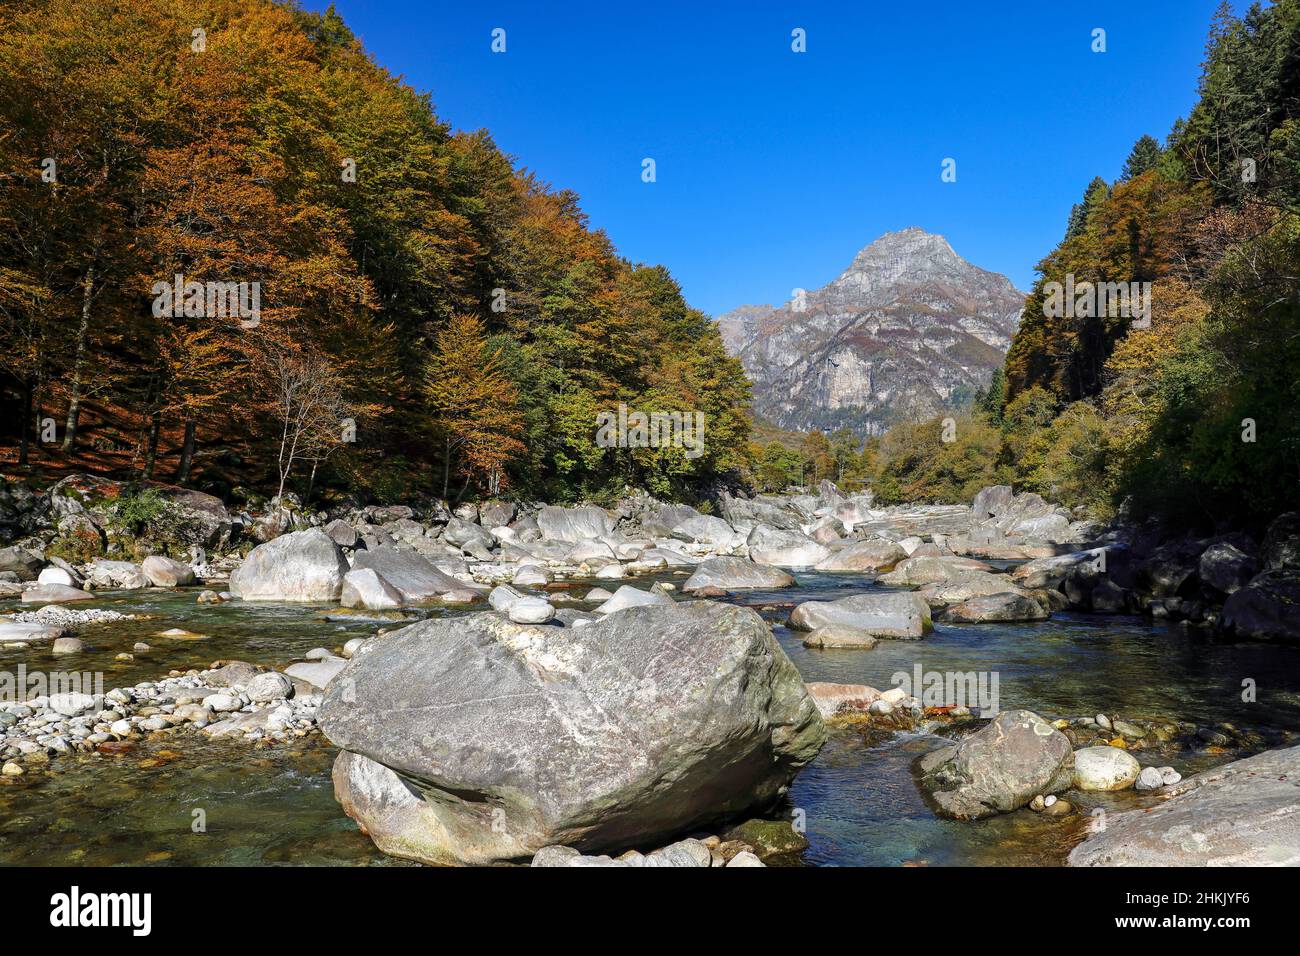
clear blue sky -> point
(773, 167)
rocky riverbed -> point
(557, 685)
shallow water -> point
(858, 799)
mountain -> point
(908, 330)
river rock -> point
(1281, 548)
(786, 549)
(296, 567)
(56, 575)
(1226, 568)
(834, 698)
(922, 569)
(121, 575)
(1052, 572)
(709, 530)
(531, 610)
(630, 730)
(1243, 813)
(364, 587)
(1105, 768)
(1266, 609)
(410, 572)
(875, 554)
(999, 768)
(163, 572)
(55, 594)
(268, 686)
(734, 574)
(67, 645)
(628, 596)
(1149, 779)
(25, 564)
(1004, 606)
(318, 674)
(573, 524)
(342, 533)
(838, 635)
(966, 585)
(901, 616)
(28, 631)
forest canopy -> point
(431, 317)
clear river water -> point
(859, 800)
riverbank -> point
(1171, 699)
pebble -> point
(1103, 721)
(1150, 779)
(12, 769)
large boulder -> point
(992, 501)
(1225, 567)
(1002, 606)
(1281, 548)
(573, 524)
(496, 514)
(1000, 768)
(967, 585)
(920, 570)
(55, 594)
(1052, 572)
(1266, 609)
(363, 587)
(902, 616)
(109, 575)
(708, 530)
(734, 574)
(874, 554)
(297, 567)
(1243, 813)
(164, 572)
(21, 562)
(786, 549)
(414, 575)
(626, 732)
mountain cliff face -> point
(908, 330)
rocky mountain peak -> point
(909, 329)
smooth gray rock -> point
(409, 572)
(785, 549)
(637, 727)
(163, 572)
(531, 610)
(297, 567)
(317, 673)
(1001, 606)
(1105, 768)
(55, 594)
(122, 575)
(733, 574)
(898, 615)
(1244, 813)
(365, 587)
(628, 596)
(573, 524)
(1266, 609)
(999, 768)
(875, 554)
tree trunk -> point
(78, 368)
(151, 444)
(311, 482)
(27, 420)
(446, 469)
(187, 454)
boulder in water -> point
(628, 731)
(734, 574)
(297, 567)
(1000, 768)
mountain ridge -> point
(908, 329)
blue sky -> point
(774, 168)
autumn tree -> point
(474, 406)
